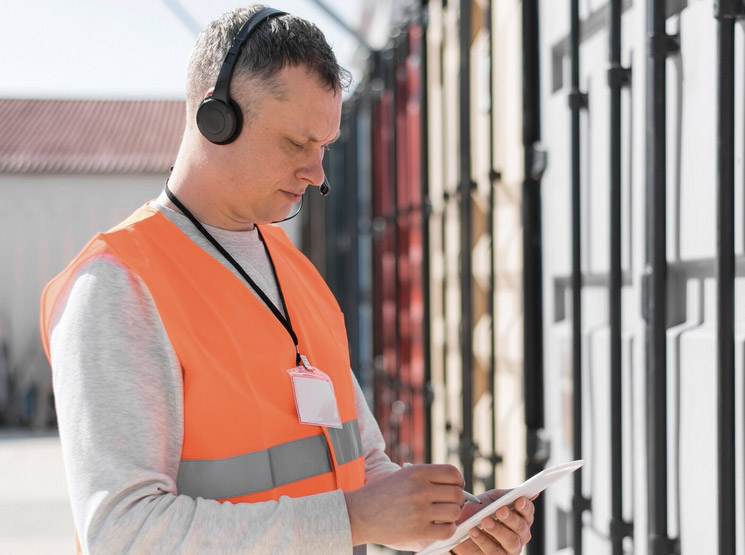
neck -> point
(197, 186)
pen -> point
(469, 496)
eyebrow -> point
(336, 138)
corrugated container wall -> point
(690, 220)
(637, 361)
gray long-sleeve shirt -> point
(119, 396)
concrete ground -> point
(35, 516)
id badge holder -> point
(315, 399)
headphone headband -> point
(219, 118)
(222, 87)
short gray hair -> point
(279, 42)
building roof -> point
(89, 136)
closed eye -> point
(301, 146)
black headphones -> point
(219, 117)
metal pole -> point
(577, 101)
(494, 176)
(617, 79)
(726, 275)
(426, 212)
(466, 183)
(537, 450)
(660, 45)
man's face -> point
(280, 149)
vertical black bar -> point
(659, 542)
(576, 101)
(444, 352)
(726, 283)
(466, 440)
(426, 291)
(616, 81)
(392, 68)
(492, 244)
(352, 216)
(532, 264)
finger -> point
(468, 547)
(444, 512)
(509, 540)
(526, 509)
(424, 490)
(447, 494)
(444, 474)
(439, 530)
(485, 543)
(515, 522)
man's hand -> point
(415, 503)
(504, 533)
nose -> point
(312, 170)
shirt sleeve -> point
(119, 396)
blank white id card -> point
(314, 397)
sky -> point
(125, 49)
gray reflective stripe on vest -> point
(270, 468)
(347, 442)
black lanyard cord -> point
(283, 318)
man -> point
(204, 395)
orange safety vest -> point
(242, 438)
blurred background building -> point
(536, 234)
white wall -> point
(44, 222)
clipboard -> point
(529, 488)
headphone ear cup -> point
(220, 122)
